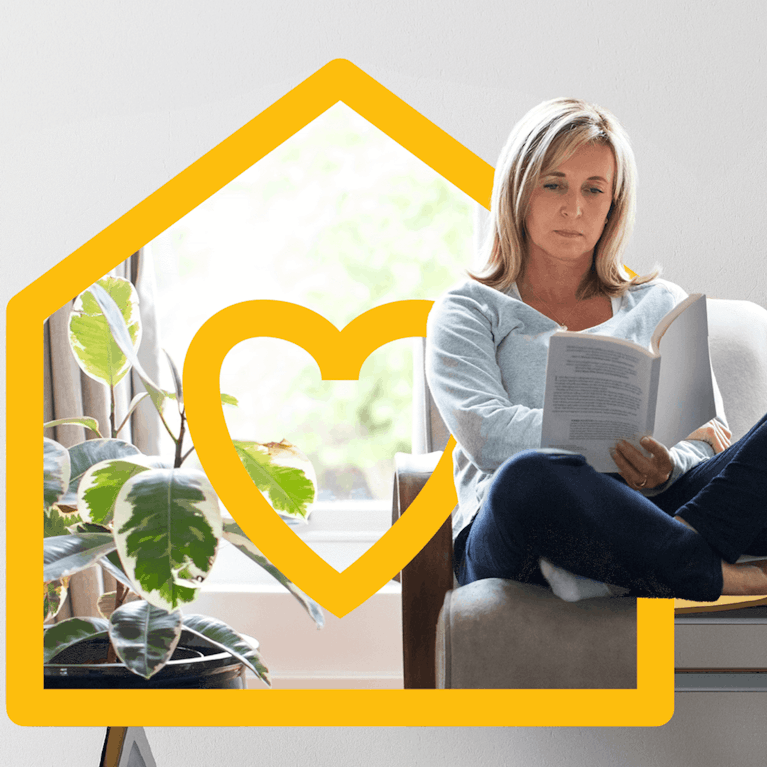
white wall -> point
(104, 102)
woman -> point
(669, 521)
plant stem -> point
(180, 443)
(167, 428)
(122, 425)
(112, 429)
(120, 594)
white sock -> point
(572, 588)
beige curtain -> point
(69, 392)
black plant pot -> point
(194, 666)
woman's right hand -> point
(643, 471)
(715, 433)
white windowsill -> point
(339, 532)
(363, 650)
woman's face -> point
(569, 207)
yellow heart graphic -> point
(339, 354)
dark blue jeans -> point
(595, 525)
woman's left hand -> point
(640, 471)
(715, 433)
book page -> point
(596, 393)
(685, 390)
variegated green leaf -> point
(87, 422)
(86, 454)
(90, 337)
(167, 524)
(224, 637)
(276, 472)
(70, 632)
(101, 484)
(56, 523)
(106, 602)
(68, 554)
(54, 594)
(144, 636)
(88, 527)
(177, 387)
(111, 564)
(56, 470)
(234, 534)
(226, 399)
(120, 333)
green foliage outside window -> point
(339, 218)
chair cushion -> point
(501, 634)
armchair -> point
(502, 634)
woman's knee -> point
(530, 476)
(525, 497)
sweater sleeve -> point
(465, 328)
(466, 383)
(690, 452)
(685, 455)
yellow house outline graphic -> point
(651, 703)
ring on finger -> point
(643, 482)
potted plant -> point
(153, 525)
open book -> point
(601, 389)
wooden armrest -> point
(411, 472)
(426, 579)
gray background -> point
(104, 102)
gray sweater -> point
(486, 363)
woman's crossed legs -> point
(557, 507)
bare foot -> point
(744, 579)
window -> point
(339, 219)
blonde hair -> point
(543, 139)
